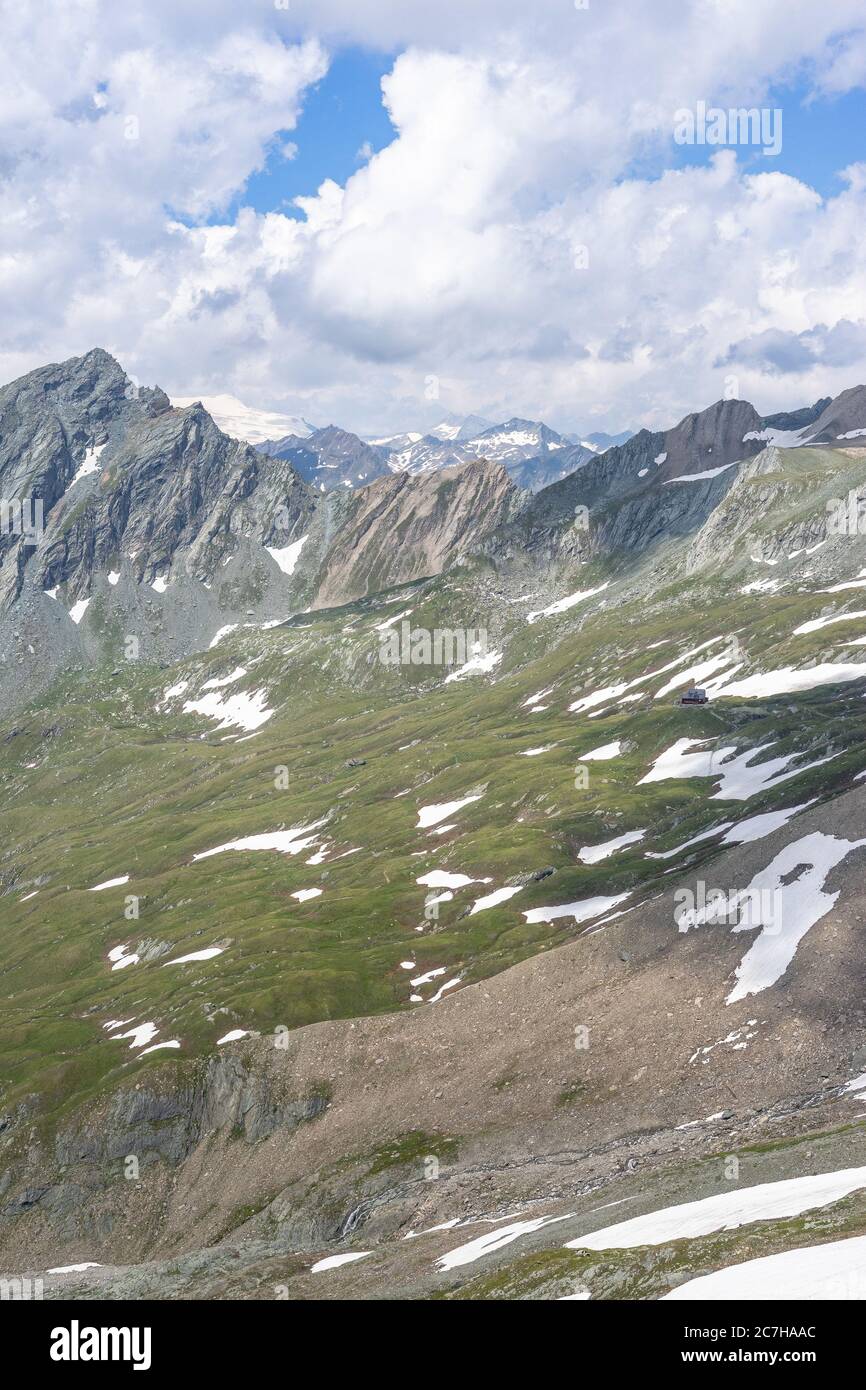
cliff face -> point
(402, 528)
(112, 495)
(55, 423)
(126, 479)
(710, 439)
(841, 419)
(182, 531)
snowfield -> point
(788, 679)
(836, 1271)
(738, 773)
(245, 710)
(783, 901)
(725, 1211)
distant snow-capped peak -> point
(244, 422)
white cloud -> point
(452, 253)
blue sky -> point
(344, 113)
(341, 115)
(821, 135)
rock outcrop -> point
(402, 528)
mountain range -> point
(532, 453)
(367, 883)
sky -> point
(380, 212)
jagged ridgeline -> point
(364, 873)
(124, 516)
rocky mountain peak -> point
(437, 516)
(711, 438)
(842, 419)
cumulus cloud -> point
(110, 127)
(500, 255)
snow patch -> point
(480, 662)
(284, 841)
(494, 1240)
(562, 605)
(739, 775)
(835, 1271)
(287, 557)
(432, 815)
(726, 1211)
(539, 695)
(109, 883)
(90, 463)
(389, 622)
(142, 1033)
(788, 679)
(245, 710)
(593, 854)
(700, 477)
(500, 895)
(207, 954)
(449, 984)
(119, 959)
(442, 878)
(581, 911)
(430, 975)
(217, 682)
(173, 691)
(817, 623)
(334, 1261)
(602, 754)
(78, 610)
(784, 908)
